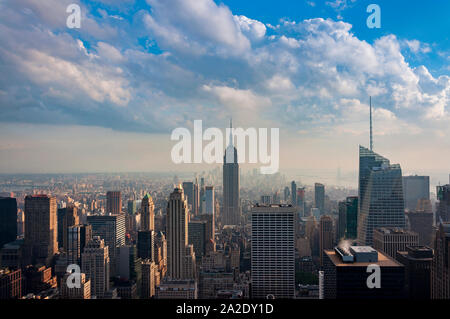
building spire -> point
(371, 137)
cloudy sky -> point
(107, 96)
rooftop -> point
(392, 230)
(383, 260)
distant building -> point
(415, 188)
(390, 240)
(421, 223)
(273, 258)
(188, 189)
(147, 213)
(286, 194)
(177, 289)
(293, 193)
(342, 220)
(326, 239)
(417, 261)
(351, 214)
(113, 202)
(345, 274)
(301, 203)
(319, 197)
(8, 220)
(443, 206)
(131, 208)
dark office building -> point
(417, 261)
(443, 206)
(8, 220)
(188, 188)
(67, 216)
(146, 245)
(351, 215)
(197, 237)
(319, 197)
(342, 220)
(422, 224)
(345, 274)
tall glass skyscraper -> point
(380, 195)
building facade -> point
(272, 251)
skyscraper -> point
(188, 189)
(231, 202)
(273, 251)
(417, 261)
(415, 188)
(209, 200)
(147, 213)
(196, 199)
(301, 201)
(443, 207)
(95, 264)
(111, 228)
(177, 235)
(351, 224)
(293, 193)
(319, 197)
(286, 194)
(148, 279)
(67, 216)
(131, 207)
(40, 229)
(146, 247)
(326, 239)
(440, 270)
(380, 195)
(8, 220)
(421, 223)
(197, 237)
(74, 244)
(342, 220)
(113, 202)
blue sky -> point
(137, 69)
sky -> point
(106, 96)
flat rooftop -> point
(383, 260)
(392, 230)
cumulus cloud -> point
(204, 62)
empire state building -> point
(231, 203)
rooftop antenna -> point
(371, 137)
